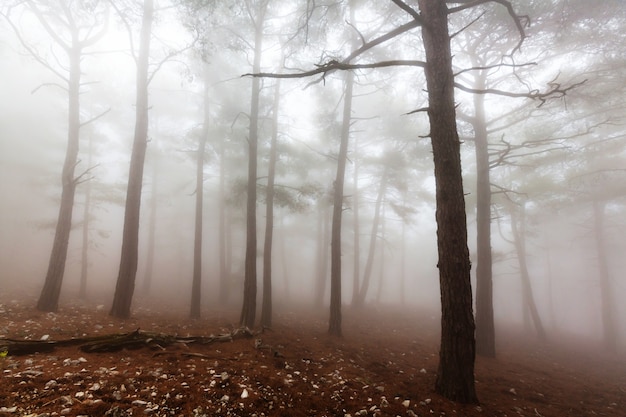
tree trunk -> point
(609, 326)
(518, 227)
(196, 285)
(381, 275)
(367, 274)
(356, 287)
(125, 286)
(334, 325)
(485, 329)
(266, 308)
(84, 258)
(222, 228)
(455, 375)
(49, 297)
(248, 310)
(322, 252)
(147, 278)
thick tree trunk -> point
(334, 325)
(381, 269)
(125, 286)
(266, 308)
(49, 297)
(196, 285)
(609, 326)
(518, 227)
(455, 375)
(485, 329)
(248, 310)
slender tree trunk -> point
(222, 236)
(381, 275)
(147, 278)
(357, 232)
(196, 286)
(283, 257)
(485, 329)
(403, 265)
(49, 297)
(367, 274)
(322, 252)
(266, 308)
(609, 326)
(84, 261)
(518, 227)
(248, 310)
(125, 286)
(334, 326)
(455, 375)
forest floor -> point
(384, 365)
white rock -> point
(45, 337)
(80, 395)
(406, 403)
(139, 403)
(244, 393)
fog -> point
(553, 162)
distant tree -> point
(73, 28)
(145, 73)
(196, 286)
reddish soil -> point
(384, 365)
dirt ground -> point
(384, 365)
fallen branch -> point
(115, 342)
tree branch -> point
(336, 65)
(555, 91)
(467, 4)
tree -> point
(455, 374)
(73, 29)
(248, 309)
(125, 286)
(266, 309)
(196, 286)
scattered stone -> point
(406, 403)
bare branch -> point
(488, 67)
(336, 65)
(555, 91)
(93, 119)
(414, 14)
(520, 21)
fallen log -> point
(117, 341)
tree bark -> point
(266, 308)
(223, 243)
(485, 329)
(248, 310)
(455, 375)
(334, 325)
(196, 285)
(125, 286)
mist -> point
(556, 167)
